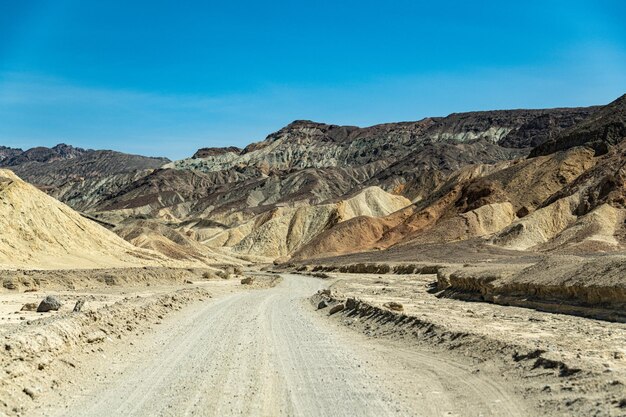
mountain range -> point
(520, 181)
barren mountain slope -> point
(308, 162)
(40, 232)
(229, 193)
(160, 238)
(601, 130)
(479, 203)
(8, 153)
(78, 177)
(569, 200)
(285, 229)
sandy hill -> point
(40, 232)
(282, 231)
(173, 244)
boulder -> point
(50, 303)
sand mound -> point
(38, 231)
(557, 227)
(540, 226)
(593, 232)
(171, 243)
(483, 221)
(284, 230)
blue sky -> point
(165, 78)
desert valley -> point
(472, 264)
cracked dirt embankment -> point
(568, 365)
(592, 288)
(588, 287)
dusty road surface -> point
(268, 353)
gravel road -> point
(268, 353)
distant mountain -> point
(601, 130)
(8, 153)
(44, 155)
(76, 176)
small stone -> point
(78, 306)
(322, 304)
(97, 336)
(324, 293)
(9, 284)
(247, 281)
(29, 307)
(336, 309)
(29, 392)
(392, 305)
(352, 303)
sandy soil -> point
(267, 353)
(519, 341)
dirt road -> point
(268, 353)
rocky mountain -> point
(306, 144)
(568, 196)
(8, 153)
(42, 154)
(603, 129)
(79, 177)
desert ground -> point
(191, 345)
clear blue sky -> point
(167, 77)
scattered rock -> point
(78, 306)
(392, 305)
(97, 336)
(247, 281)
(352, 303)
(49, 303)
(110, 280)
(188, 281)
(29, 307)
(9, 284)
(325, 292)
(336, 309)
(29, 392)
(322, 304)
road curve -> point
(268, 353)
